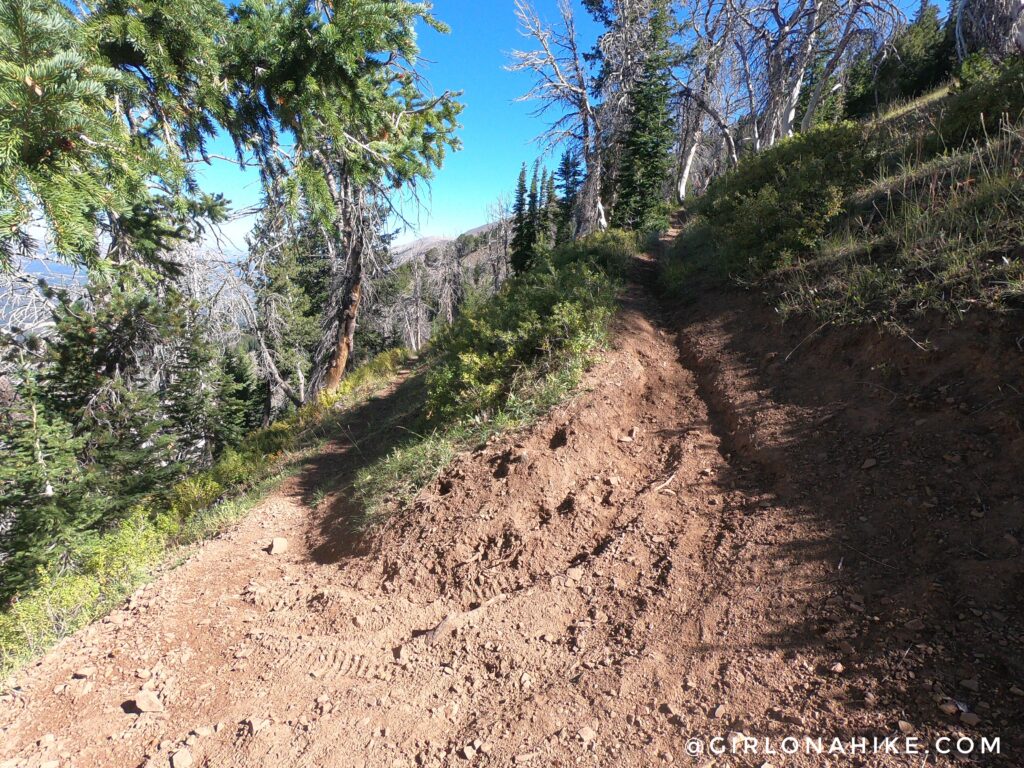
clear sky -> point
(497, 133)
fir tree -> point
(533, 211)
(61, 152)
(569, 176)
(44, 498)
(647, 145)
(190, 396)
(98, 116)
(551, 208)
(101, 379)
(241, 399)
(522, 238)
(339, 84)
(919, 57)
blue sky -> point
(497, 132)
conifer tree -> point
(100, 379)
(341, 87)
(551, 208)
(44, 498)
(62, 152)
(533, 210)
(240, 398)
(647, 145)
(569, 176)
(191, 395)
(522, 237)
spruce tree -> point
(522, 238)
(45, 501)
(569, 176)
(646, 151)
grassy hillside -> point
(919, 209)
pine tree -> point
(44, 498)
(551, 209)
(569, 177)
(533, 212)
(522, 237)
(647, 145)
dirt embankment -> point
(719, 535)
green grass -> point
(944, 236)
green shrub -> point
(279, 436)
(611, 251)
(987, 97)
(88, 583)
(778, 203)
(368, 376)
(234, 469)
(538, 320)
(190, 495)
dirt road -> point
(718, 536)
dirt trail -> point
(709, 539)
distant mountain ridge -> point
(417, 248)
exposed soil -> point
(718, 535)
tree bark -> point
(684, 179)
(348, 312)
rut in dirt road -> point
(657, 559)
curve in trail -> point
(641, 566)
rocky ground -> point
(735, 530)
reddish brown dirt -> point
(714, 537)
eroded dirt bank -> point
(716, 536)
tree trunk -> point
(353, 236)
(684, 179)
(830, 68)
(348, 311)
(591, 210)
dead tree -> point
(563, 86)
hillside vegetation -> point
(504, 361)
(919, 209)
(152, 384)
